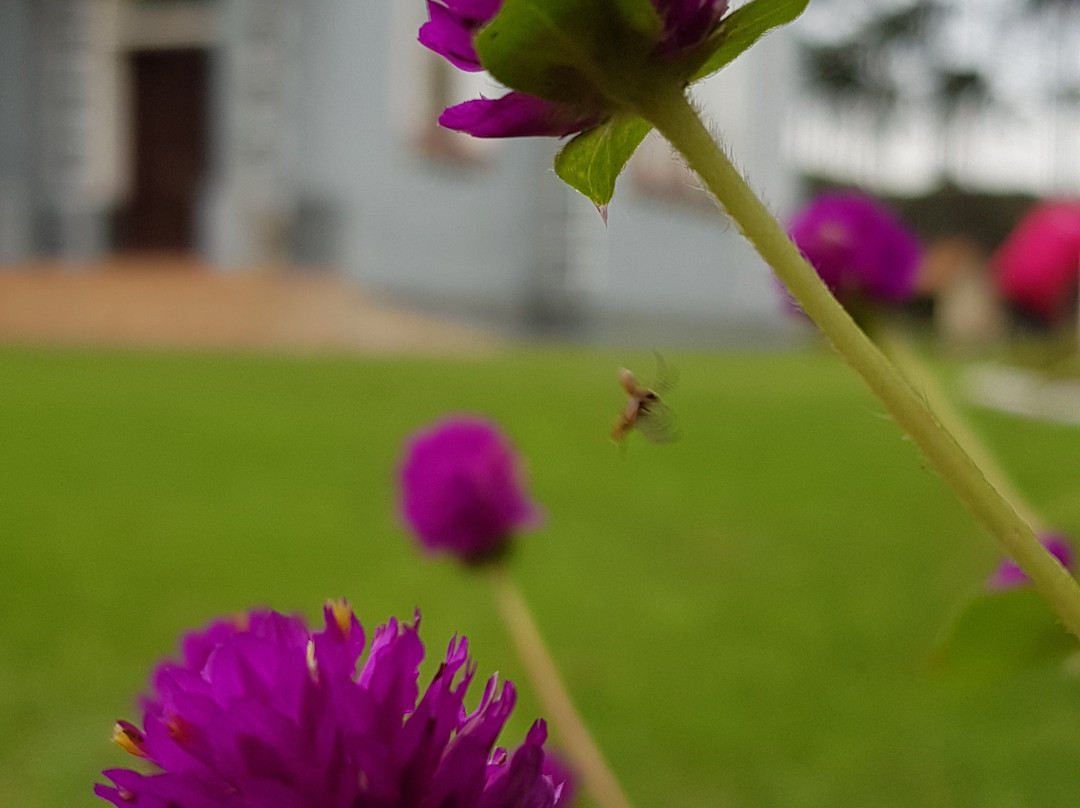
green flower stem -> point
(587, 760)
(674, 116)
(898, 348)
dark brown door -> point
(170, 118)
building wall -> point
(15, 237)
(681, 255)
(402, 219)
(503, 233)
(65, 121)
(325, 149)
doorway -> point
(170, 142)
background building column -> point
(247, 218)
(72, 214)
(16, 238)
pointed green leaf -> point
(1003, 632)
(563, 50)
(592, 161)
(745, 26)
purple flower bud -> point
(861, 250)
(1008, 574)
(453, 25)
(461, 489)
(261, 713)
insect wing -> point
(656, 422)
(666, 375)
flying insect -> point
(645, 411)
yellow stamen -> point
(342, 615)
(129, 739)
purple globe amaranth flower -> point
(685, 26)
(560, 773)
(861, 250)
(461, 488)
(1008, 574)
(261, 713)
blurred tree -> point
(959, 95)
(1059, 23)
(1038, 6)
(896, 57)
(862, 65)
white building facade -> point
(256, 132)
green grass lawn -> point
(744, 617)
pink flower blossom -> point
(1037, 266)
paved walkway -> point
(175, 302)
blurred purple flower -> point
(462, 490)
(686, 24)
(1008, 574)
(861, 250)
(260, 713)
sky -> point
(1025, 141)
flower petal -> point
(481, 10)
(451, 36)
(517, 115)
(687, 23)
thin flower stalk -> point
(589, 762)
(1008, 574)
(898, 349)
(462, 494)
(674, 116)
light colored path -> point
(175, 302)
(1024, 392)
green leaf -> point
(592, 161)
(1003, 632)
(565, 50)
(745, 26)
